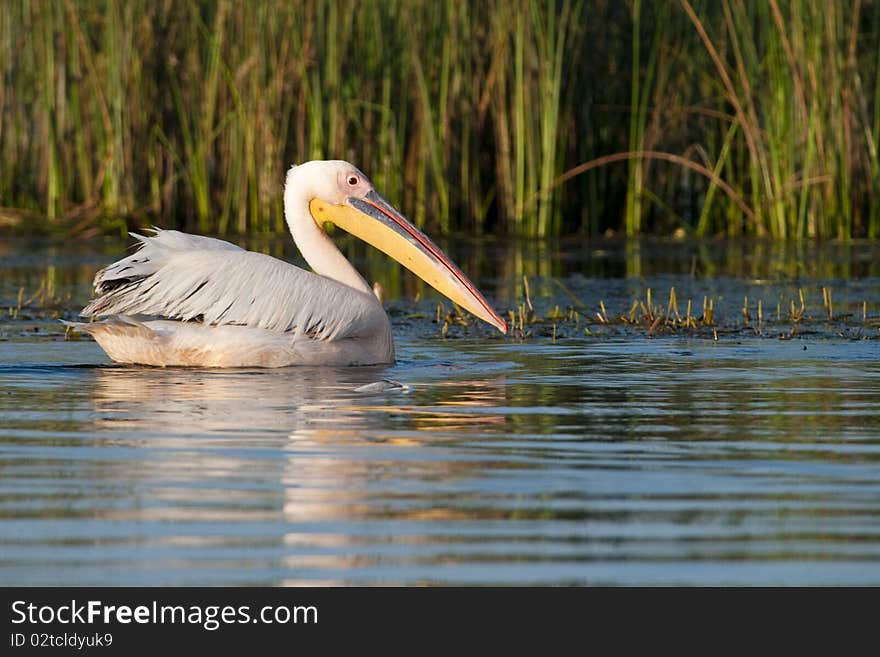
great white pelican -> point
(188, 300)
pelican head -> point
(344, 196)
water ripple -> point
(646, 462)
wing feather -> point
(185, 277)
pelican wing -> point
(188, 277)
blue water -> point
(611, 458)
(624, 462)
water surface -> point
(610, 458)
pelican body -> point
(189, 300)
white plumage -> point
(189, 277)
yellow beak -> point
(378, 223)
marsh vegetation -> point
(533, 118)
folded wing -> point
(187, 277)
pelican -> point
(189, 300)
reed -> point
(791, 74)
(643, 82)
(535, 117)
(538, 319)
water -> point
(610, 458)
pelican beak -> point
(378, 223)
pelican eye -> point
(353, 181)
